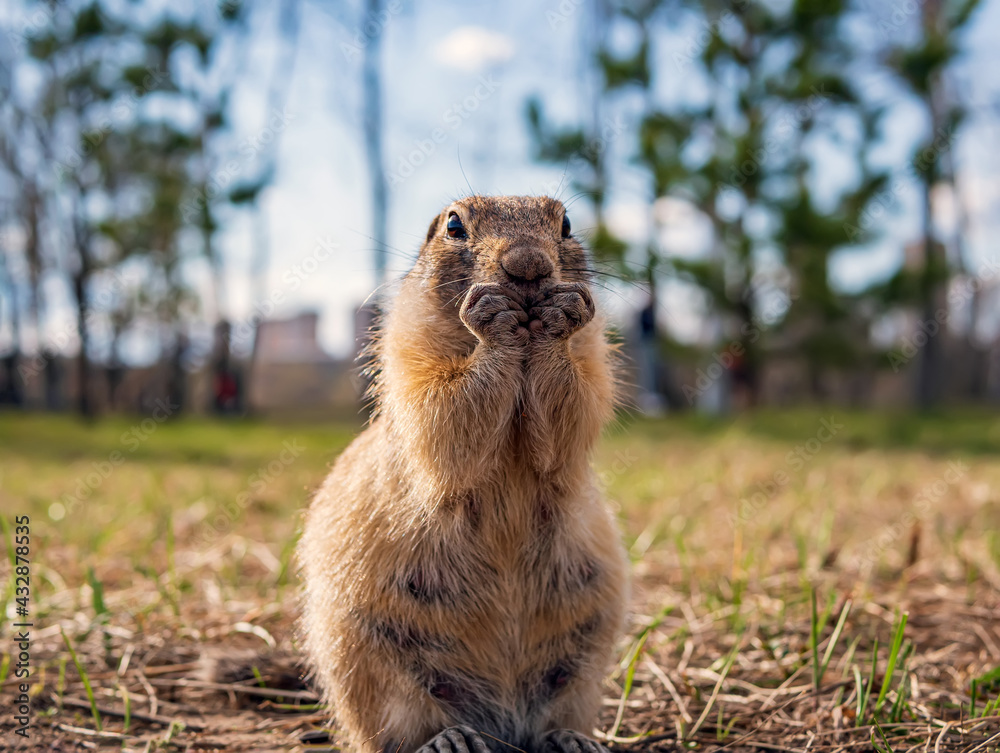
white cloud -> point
(473, 48)
(629, 221)
(685, 231)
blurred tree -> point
(768, 84)
(23, 210)
(72, 116)
(371, 88)
(582, 150)
(130, 138)
(923, 66)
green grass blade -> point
(814, 638)
(715, 691)
(884, 747)
(859, 684)
(96, 594)
(86, 680)
(896, 714)
(258, 676)
(629, 677)
(8, 540)
(127, 700)
(849, 655)
(897, 642)
(633, 658)
(834, 639)
(864, 698)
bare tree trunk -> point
(372, 93)
(928, 374)
(83, 403)
(929, 369)
(935, 264)
(13, 388)
(80, 279)
(33, 256)
(277, 97)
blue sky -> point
(457, 76)
(467, 69)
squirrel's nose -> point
(526, 264)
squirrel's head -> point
(524, 242)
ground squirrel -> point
(464, 580)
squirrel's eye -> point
(566, 227)
(455, 227)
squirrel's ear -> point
(435, 224)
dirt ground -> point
(685, 693)
(855, 606)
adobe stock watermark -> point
(372, 26)
(874, 547)
(795, 461)
(563, 12)
(621, 463)
(879, 205)
(451, 120)
(902, 12)
(225, 175)
(257, 483)
(707, 28)
(121, 109)
(40, 17)
(768, 312)
(291, 280)
(961, 293)
(611, 129)
(755, 158)
(130, 440)
(113, 284)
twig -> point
(78, 703)
(104, 734)
(300, 695)
(671, 688)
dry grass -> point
(885, 517)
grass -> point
(84, 678)
(801, 579)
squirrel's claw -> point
(460, 739)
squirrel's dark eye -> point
(566, 227)
(455, 227)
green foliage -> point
(624, 71)
(126, 173)
(607, 247)
(746, 144)
(88, 23)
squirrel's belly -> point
(493, 641)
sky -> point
(457, 76)
(467, 70)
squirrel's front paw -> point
(494, 316)
(564, 310)
(460, 739)
(570, 741)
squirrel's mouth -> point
(529, 292)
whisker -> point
(572, 199)
(450, 282)
(462, 169)
(385, 284)
(384, 246)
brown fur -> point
(460, 566)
